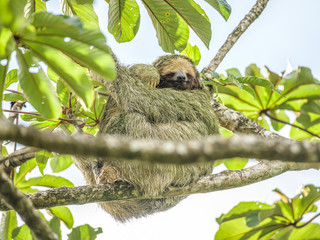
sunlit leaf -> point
(84, 232)
(172, 30)
(36, 86)
(22, 233)
(192, 52)
(60, 162)
(236, 163)
(64, 214)
(12, 77)
(34, 6)
(195, 17)
(221, 6)
(8, 222)
(56, 226)
(42, 159)
(83, 9)
(46, 181)
(24, 169)
(123, 19)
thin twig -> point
(288, 123)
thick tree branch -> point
(20, 203)
(209, 149)
(121, 190)
(18, 157)
(233, 37)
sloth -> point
(163, 101)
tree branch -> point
(16, 200)
(239, 123)
(197, 151)
(233, 37)
(120, 190)
(18, 157)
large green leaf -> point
(84, 232)
(46, 181)
(310, 232)
(83, 9)
(192, 52)
(34, 6)
(123, 19)
(87, 47)
(64, 214)
(221, 6)
(7, 224)
(36, 86)
(22, 233)
(24, 169)
(194, 16)
(60, 162)
(172, 30)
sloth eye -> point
(169, 75)
(189, 76)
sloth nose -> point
(181, 76)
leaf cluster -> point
(291, 98)
(285, 219)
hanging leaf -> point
(83, 9)
(172, 30)
(123, 19)
(60, 162)
(64, 214)
(221, 6)
(84, 232)
(193, 53)
(34, 6)
(194, 16)
(36, 86)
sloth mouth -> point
(178, 81)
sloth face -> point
(178, 73)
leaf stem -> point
(265, 112)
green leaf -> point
(195, 17)
(60, 162)
(64, 214)
(13, 97)
(172, 30)
(193, 53)
(24, 169)
(310, 231)
(56, 226)
(83, 9)
(12, 77)
(36, 86)
(22, 233)
(42, 159)
(46, 181)
(243, 209)
(123, 19)
(7, 224)
(3, 73)
(281, 115)
(34, 6)
(84, 232)
(233, 72)
(7, 44)
(236, 163)
(305, 201)
(221, 6)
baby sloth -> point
(164, 101)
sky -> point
(286, 30)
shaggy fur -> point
(140, 111)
